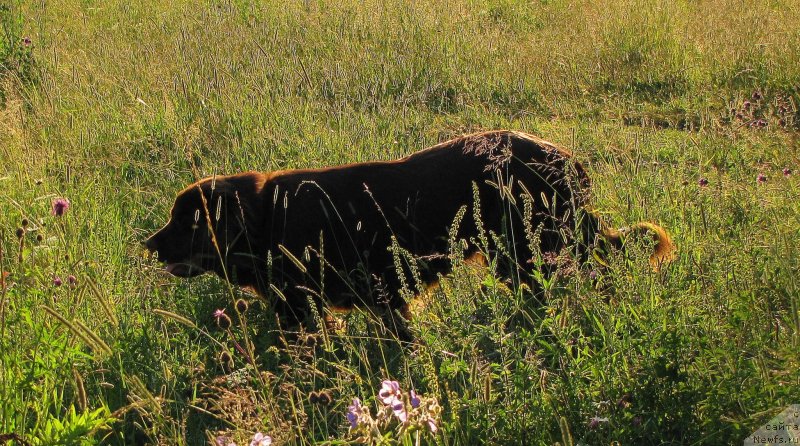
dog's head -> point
(212, 225)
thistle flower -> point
(26, 41)
(595, 422)
(72, 280)
(57, 281)
(787, 172)
(702, 182)
(60, 207)
(223, 320)
(20, 233)
(241, 305)
(761, 178)
(757, 95)
(260, 439)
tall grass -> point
(116, 105)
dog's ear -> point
(241, 199)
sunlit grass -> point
(117, 105)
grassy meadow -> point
(684, 113)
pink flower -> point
(390, 391)
(26, 41)
(57, 281)
(432, 425)
(702, 182)
(219, 313)
(399, 409)
(787, 172)
(60, 207)
(260, 439)
(761, 178)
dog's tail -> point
(664, 251)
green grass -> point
(116, 105)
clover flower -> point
(60, 207)
(761, 178)
(57, 281)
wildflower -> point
(354, 412)
(432, 425)
(260, 439)
(241, 305)
(39, 238)
(20, 233)
(595, 422)
(414, 399)
(72, 280)
(222, 440)
(787, 172)
(223, 320)
(60, 207)
(25, 222)
(57, 281)
(593, 274)
(757, 96)
(399, 409)
(390, 391)
(746, 104)
(761, 178)
(702, 182)
(26, 41)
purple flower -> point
(702, 182)
(353, 412)
(60, 207)
(593, 275)
(260, 439)
(761, 178)
(757, 95)
(399, 410)
(787, 172)
(26, 41)
(595, 422)
(390, 391)
(72, 280)
(219, 313)
(414, 399)
(222, 440)
(746, 104)
(57, 281)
